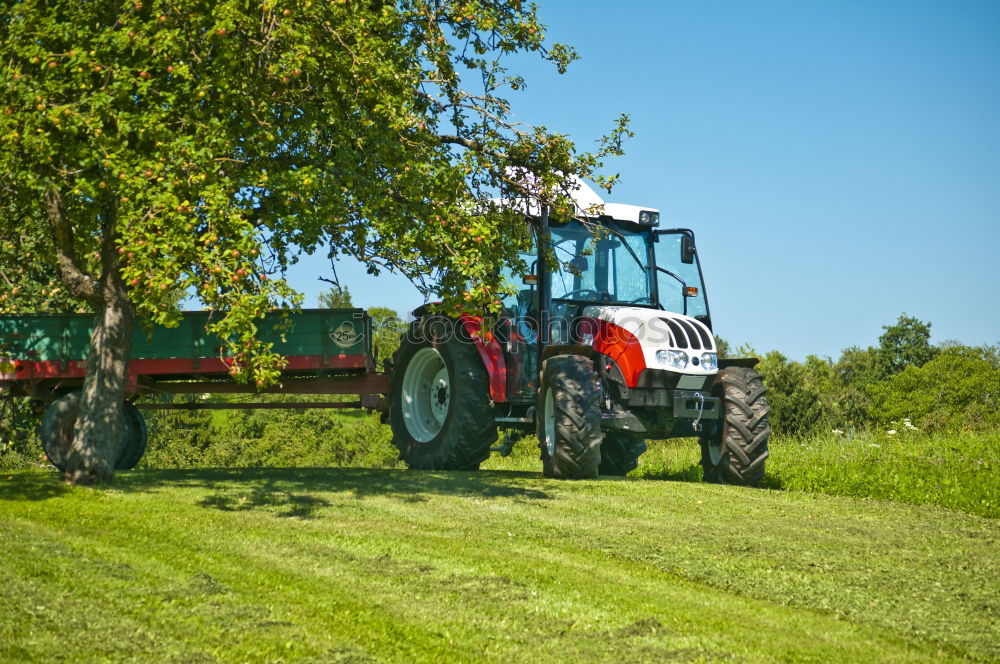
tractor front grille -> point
(687, 335)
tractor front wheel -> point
(440, 409)
(569, 418)
(735, 452)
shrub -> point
(802, 396)
(957, 390)
(248, 438)
(19, 443)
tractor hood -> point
(689, 344)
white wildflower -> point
(838, 432)
(891, 432)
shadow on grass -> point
(269, 497)
(690, 473)
(32, 485)
(693, 474)
(772, 482)
(288, 491)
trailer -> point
(43, 358)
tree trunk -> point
(101, 426)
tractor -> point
(608, 344)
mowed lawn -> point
(351, 565)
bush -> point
(939, 387)
(803, 396)
(249, 438)
(957, 390)
(20, 446)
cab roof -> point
(589, 204)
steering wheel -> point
(567, 296)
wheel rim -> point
(550, 424)
(426, 395)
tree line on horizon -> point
(904, 381)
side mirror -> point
(687, 249)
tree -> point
(173, 148)
(338, 297)
(802, 396)
(26, 285)
(905, 344)
(722, 347)
(958, 389)
(387, 330)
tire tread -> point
(744, 431)
(576, 400)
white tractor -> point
(605, 347)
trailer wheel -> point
(59, 422)
(736, 451)
(569, 418)
(620, 452)
(440, 409)
(137, 440)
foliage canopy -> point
(156, 150)
(950, 387)
(196, 146)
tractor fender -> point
(623, 347)
(567, 349)
(748, 362)
(491, 353)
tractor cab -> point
(614, 262)
(597, 267)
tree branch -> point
(470, 144)
(464, 142)
(77, 282)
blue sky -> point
(838, 161)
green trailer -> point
(327, 351)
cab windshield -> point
(610, 267)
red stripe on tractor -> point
(206, 365)
(621, 346)
(491, 354)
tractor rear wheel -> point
(620, 452)
(735, 452)
(59, 422)
(440, 409)
(569, 418)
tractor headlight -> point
(649, 218)
(677, 359)
(709, 361)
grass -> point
(350, 565)
(959, 471)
